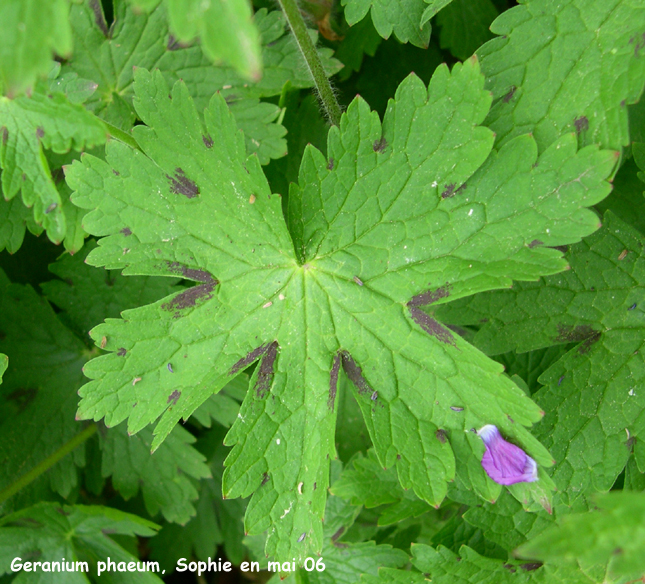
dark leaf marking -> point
(250, 358)
(338, 533)
(510, 568)
(430, 296)
(173, 44)
(208, 141)
(535, 243)
(23, 396)
(116, 172)
(570, 334)
(379, 145)
(40, 132)
(174, 397)
(126, 231)
(460, 330)
(265, 375)
(333, 382)
(5, 135)
(431, 326)
(190, 273)
(561, 248)
(510, 94)
(99, 19)
(265, 479)
(581, 124)
(121, 352)
(180, 184)
(441, 436)
(530, 566)
(330, 166)
(62, 511)
(449, 192)
(355, 374)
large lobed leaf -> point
(593, 395)
(566, 66)
(384, 225)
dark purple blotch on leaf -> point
(333, 382)
(581, 124)
(126, 231)
(191, 296)
(265, 374)
(510, 94)
(379, 145)
(208, 141)
(251, 357)
(180, 184)
(99, 19)
(355, 374)
(121, 352)
(174, 397)
(40, 132)
(505, 463)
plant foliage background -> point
(283, 326)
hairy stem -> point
(46, 464)
(314, 64)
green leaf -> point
(4, 363)
(14, 219)
(46, 119)
(360, 40)
(613, 533)
(39, 402)
(31, 31)
(87, 295)
(343, 287)
(108, 56)
(550, 82)
(593, 398)
(162, 476)
(225, 30)
(403, 17)
(465, 26)
(49, 532)
(370, 485)
(506, 523)
(446, 567)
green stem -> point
(46, 464)
(314, 64)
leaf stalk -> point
(45, 465)
(312, 59)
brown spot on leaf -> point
(265, 479)
(333, 382)
(190, 273)
(180, 184)
(510, 568)
(509, 95)
(431, 326)
(208, 141)
(449, 191)
(99, 19)
(561, 248)
(40, 132)
(338, 533)
(5, 135)
(173, 398)
(22, 396)
(126, 231)
(330, 164)
(430, 296)
(250, 358)
(581, 124)
(191, 296)
(265, 375)
(355, 374)
(173, 44)
(530, 566)
(441, 436)
(121, 352)
(116, 172)
(570, 334)
(535, 243)
(62, 511)
(379, 145)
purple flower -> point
(504, 462)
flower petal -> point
(504, 462)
